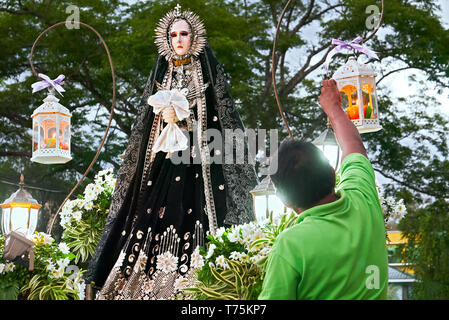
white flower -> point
(88, 205)
(77, 216)
(235, 255)
(197, 260)
(2, 268)
(220, 232)
(233, 236)
(221, 262)
(41, 238)
(62, 263)
(255, 258)
(105, 172)
(167, 262)
(64, 248)
(390, 201)
(89, 193)
(57, 273)
(210, 252)
(9, 267)
(98, 180)
(81, 286)
(244, 258)
(401, 209)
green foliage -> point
(10, 292)
(50, 278)
(235, 260)
(427, 249)
(39, 288)
(240, 282)
(11, 282)
(84, 218)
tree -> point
(427, 249)
(411, 151)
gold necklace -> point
(181, 62)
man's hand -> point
(169, 115)
(346, 133)
(330, 98)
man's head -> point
(304, 175)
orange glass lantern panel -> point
(349, 100)
(369, 101)
(64, 135)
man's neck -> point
(331, 197)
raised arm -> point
(346, 133)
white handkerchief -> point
(172, 138)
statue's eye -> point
(173, 34)
(184, 33)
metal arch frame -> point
(273, 69)
(111, 112)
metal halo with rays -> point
(162, 40)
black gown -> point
(163, 208)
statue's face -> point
(180, 35)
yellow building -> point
(400, 273)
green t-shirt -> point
(336, 250)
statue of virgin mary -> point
(161, 210)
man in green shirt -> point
(337, 250)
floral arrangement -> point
(53, 278)
(84, 218)
(232, 266)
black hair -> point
(304, 175)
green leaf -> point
(9, 293)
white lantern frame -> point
(265, 199)
(20, 212)
(359, 76)
(51, 115)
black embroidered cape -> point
(230, 183)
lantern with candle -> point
(357, 84)
(265, 200)
(51, 132)
(20, 212)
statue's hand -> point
(169, 115)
